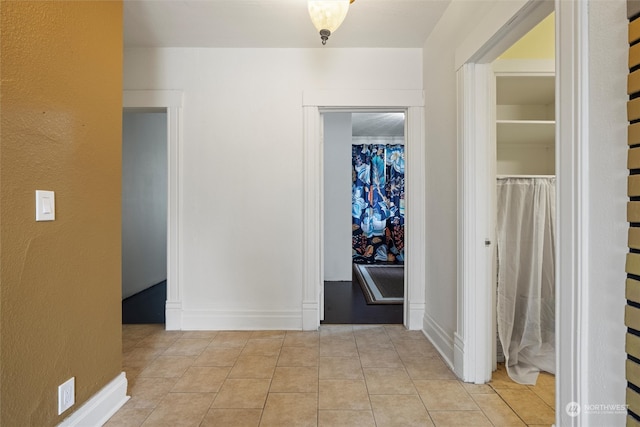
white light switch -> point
(45, 205)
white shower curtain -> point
(526, 275)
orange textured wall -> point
(60, 130)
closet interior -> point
(525, 222)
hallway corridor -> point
(343, 375)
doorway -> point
(315, 103)
(144, 216)
(364, 216)
(171, 102)
(523, 211)
(472, 354)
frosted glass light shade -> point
(327, 15)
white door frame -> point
(472, 346)
(313, 102)
(472, 357)
(172, 102)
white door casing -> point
(472, 357)
(412, 101)
(172, 102)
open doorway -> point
(481, 122)
(315, 104)
(523, 165)
(144, 215)
(364, 211)
(171, 103)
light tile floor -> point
(342, 375)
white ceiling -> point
(275, 23)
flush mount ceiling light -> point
(327, 15)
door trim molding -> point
(572, 259)
(472, 345)
(172, 101)
(312, 248)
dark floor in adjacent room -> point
(344, 303)
(146, 306)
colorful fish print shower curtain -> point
(378, 203)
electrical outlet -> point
(66, 395)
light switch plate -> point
(45, 205)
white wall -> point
(144, 201)
(441, 165)
(241, 173)
(337, 197)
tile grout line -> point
(509, 405)
(266, 398)
(364, 379)
(412, 382)
(154, 358)
(544, 401)
(318, 386)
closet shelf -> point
(539, 132)
(521, 122)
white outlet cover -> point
(66, 395)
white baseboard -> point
(216, 320)
(101, 406)
(458, 356)
(415, 316)
(310, 316)
(439, 338)
(173, 315)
